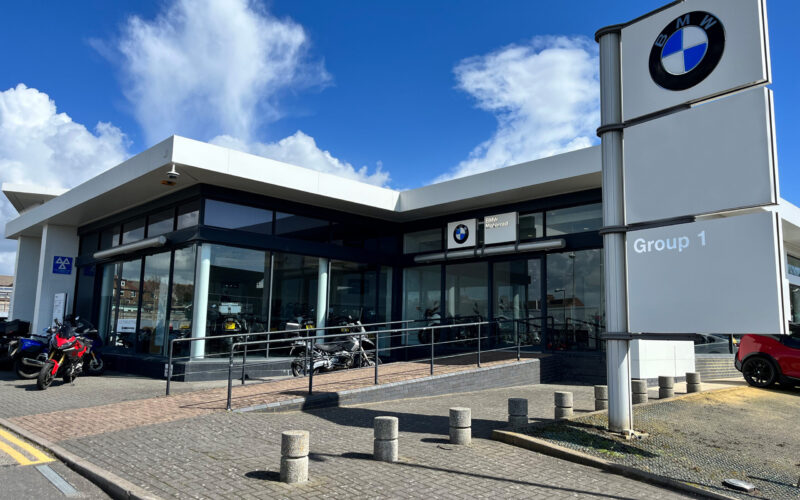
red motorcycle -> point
(67, 355)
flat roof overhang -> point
(138, 180)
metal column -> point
(620, 410)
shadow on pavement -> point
(488, 477)
(264, 475)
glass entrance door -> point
(517, 295)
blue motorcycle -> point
(30, 355)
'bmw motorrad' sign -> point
(692, 51)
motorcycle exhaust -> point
(32, 362)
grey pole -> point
(620, 410)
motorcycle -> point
(68, 354)
(30, 355)
(352, 352)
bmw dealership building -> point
(148, 256)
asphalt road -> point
(26, 472)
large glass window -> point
(295, 287)
(155, 292)
(353, 292)
(423, 241)
(85, 292)
(422, 292)
(133, 231)
(575, 300)
(180, 312)
(120, 307)
(794, 302)
(188, 215)
(89, 243)
(238, 292)
(466, 291)
(793, 265)
(108, 299)
(241, 217)
(530, 226)
(299, 227)
(109, 238)
(574, 219)
(518, 301)
(160, 223)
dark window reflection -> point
(188, 215)
(574, 219)
(241, 217)
(299, 227)
(133, 231)
(160, 223)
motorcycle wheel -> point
(298, 369)
(95, 365)
(45, 378)
(25, 372)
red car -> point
(766, 359)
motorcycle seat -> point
(329, 347)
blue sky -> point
(394, 93)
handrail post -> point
(230, 377)
(433, 334)
(479, 345)
(169, 365)
(377, 343)
(310, 365)
(244, 357)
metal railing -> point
(217, 338)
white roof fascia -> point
(564, 173)
(26, 196)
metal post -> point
(479, 346)
(620, 410)
(310, 366)
(432, 335)
(230, 378)
(244, 357)
(169, 366)
(377, 344)
(518, 346)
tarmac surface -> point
(210, 453)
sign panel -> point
(500, 228)
(62, 265)
(712, 276)
(461, 234)
(692, 51)
(711, 158)
(59, 306)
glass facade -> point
(259, 283)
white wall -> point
(651, 358)
(56, 241)
(26, 272)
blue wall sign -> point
(62, 265)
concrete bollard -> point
(693, 382)
(460, 426)
(600, 397)
(294, 457)
(386, 431)
(517, 412)
(563, 401)
(639, 391)
(666, 387)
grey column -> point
(200, 312)
(620, 410)
(322, 292)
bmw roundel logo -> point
(687, 50)
(461, 233)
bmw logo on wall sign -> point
(687, 50)
(461, 233)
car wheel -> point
(759, 372)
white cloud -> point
(211, 67)
(545, 96)
(40, 146)
(217, 69)
(301, 149)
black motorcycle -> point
(353, 351)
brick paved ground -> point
(131, 411)
(236, 455)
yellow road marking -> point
(7, 443)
